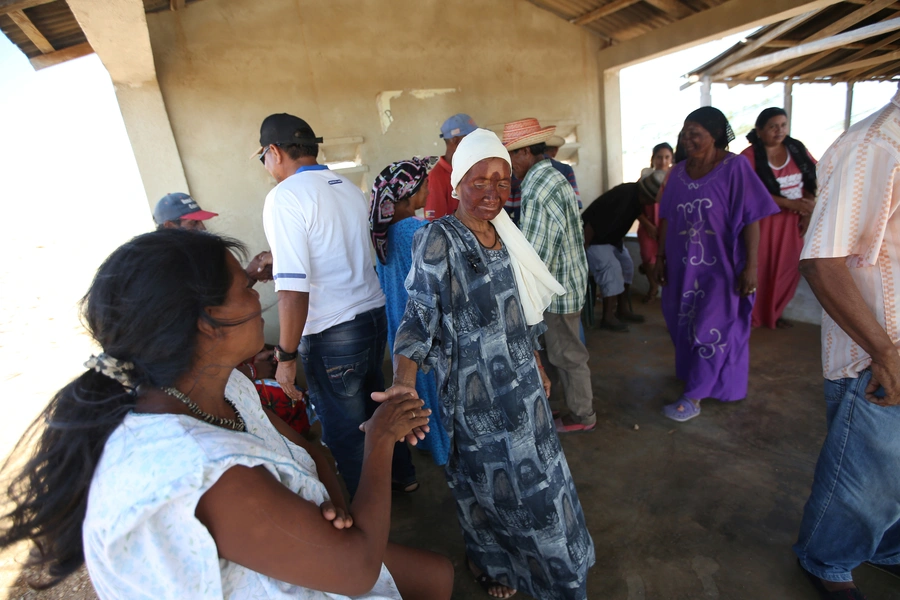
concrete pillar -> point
(610, 130)
(117, 31)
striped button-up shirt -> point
(857, 218)
(551, 222)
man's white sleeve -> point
(287, 231)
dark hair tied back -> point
(659, 147)
(142, 308)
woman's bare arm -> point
(259, 523)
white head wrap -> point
(478, 145)
(535, 283)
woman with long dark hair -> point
(159, 468)
(788, 171)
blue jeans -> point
(343, 368)
(853, 513)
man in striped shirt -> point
(851, 259)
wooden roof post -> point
(789, 102)
(849, 108)
(705, 91)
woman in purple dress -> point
(708, 238)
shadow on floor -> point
(704, 509)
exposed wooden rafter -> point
(37, 38)
(673, 8)
(885, 43)
(837, 27)
(54, 58)
(604, 11)
(7, 6)
(848, 21)
(749, 68)
(768, 36)
(859, 64)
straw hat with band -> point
(525, 133)
(556, 141)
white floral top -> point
(141, 538)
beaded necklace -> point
(237, 424)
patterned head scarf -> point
(713, 121)
(397, 181)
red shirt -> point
(440, 202)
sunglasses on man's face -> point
(262, 157)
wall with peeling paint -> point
(223, 65)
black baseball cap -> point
(283, 129)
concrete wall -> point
(223, 65)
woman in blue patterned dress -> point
(477, 292)
(398, 192)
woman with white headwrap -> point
(477, 291)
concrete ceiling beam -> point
(117, 31)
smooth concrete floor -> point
(699, 510)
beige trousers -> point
(569, 357)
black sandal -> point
(486, 583)
(405, 488)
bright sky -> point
(71, 194)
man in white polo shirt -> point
(330, 304)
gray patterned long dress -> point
(520, 515)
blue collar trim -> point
(312, 168)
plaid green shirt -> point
(551, 222)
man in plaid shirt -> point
(550, 221)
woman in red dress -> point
(660, 160)
(788, 171)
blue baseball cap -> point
(177, 205)
(459, 125)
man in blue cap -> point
(179, 211)
(440, 202)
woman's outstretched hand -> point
(401, 415)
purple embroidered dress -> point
(707, 317)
